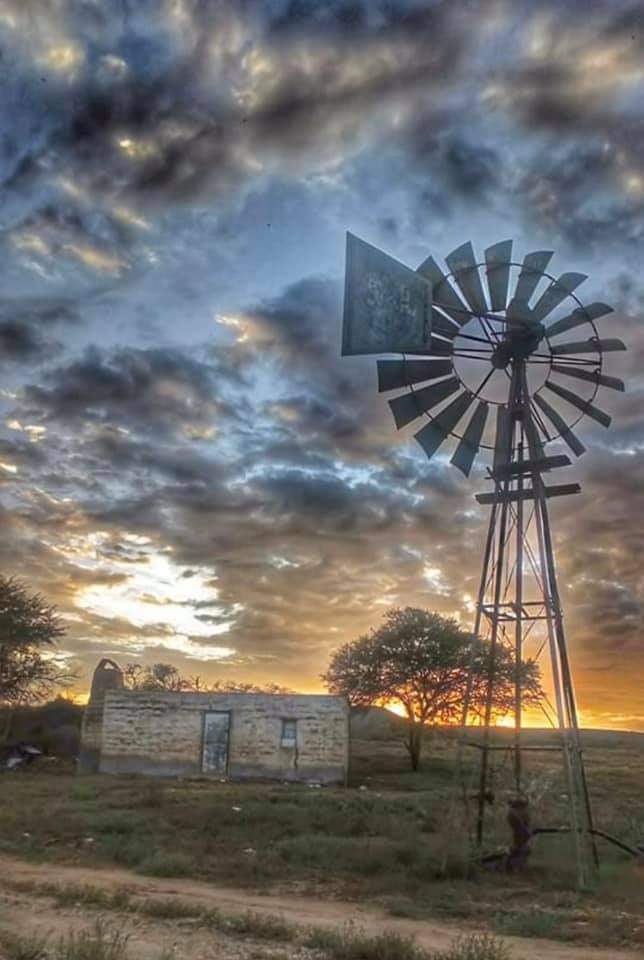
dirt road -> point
(24, 913)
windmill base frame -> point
(518, 482)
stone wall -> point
(162, 733)
(107, 676)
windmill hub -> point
(519, 342)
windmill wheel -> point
(488, 317)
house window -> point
(289, 733)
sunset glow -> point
(190, 471)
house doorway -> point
(216, 730)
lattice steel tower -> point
(482, 337)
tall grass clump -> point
(349, 943)
(475, 947)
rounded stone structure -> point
(107, 676)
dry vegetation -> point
(382, 840)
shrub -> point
(258, 925)
(168, 864)
(349, 943)
(14, 948)
(532, 922)
(128, 850)
(477, 947)
(96, 945)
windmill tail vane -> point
(502, 356)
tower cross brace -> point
(519, 540)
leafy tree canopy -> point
(165, 676)
(29, 631)
(421, 660)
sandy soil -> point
(25, 914)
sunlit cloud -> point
(198, 474)
(157, 591)
(96, 259)
(137, 149)
(63, 58)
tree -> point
(159, 676)
(422, 660)
(165, 676)
(29, 630)
(241, 686)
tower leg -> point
(512, 529)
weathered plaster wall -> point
(161, 733)
(107, 676)
(91, 738)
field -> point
(379, 846)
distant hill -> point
(376, 723)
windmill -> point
(501, 356)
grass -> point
(532, 922)
(351, 944)
(259, 926)
(100, 943)
(385, 843)
(477, 947)
(103, 943)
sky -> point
(190, 470)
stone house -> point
(236, 735)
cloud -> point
(26, 327)
(163, 390)
(177, 181)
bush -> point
(130, 851)
(168, 864)
(97, 945)
(260, 926)
(532, 922)
(14, 948)
(351, 944)
(475, 948)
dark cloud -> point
(164, 390)
(19, 341)
(200, 158)
(26, 328)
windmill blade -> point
(443, 293)
(580, 403)
(432, 436)
(503, 437)
(394, 374)
(497, 267)
(443, 326)
(577, 317)
(592, 345)
(462, 263)
(437, 347)
(412, 405)
(556, 294)
(560, 425)
(592, 376)
(531, 271)
(468, 446)
(519, 314)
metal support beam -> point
(529, 466)
(514, 496)
(514, 534)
